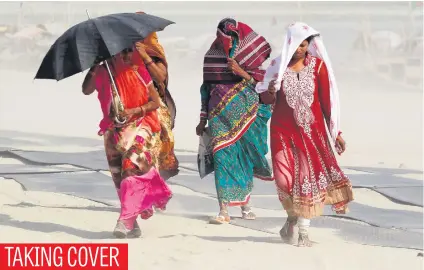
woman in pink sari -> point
(128, 146)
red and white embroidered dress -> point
(305, 168)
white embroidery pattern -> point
(323, 175)
(315, 190)
(306, 186)
(296, 183)
(322, 182)
(281, 194)
(300, 94)
(335, 175)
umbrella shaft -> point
(118, 106)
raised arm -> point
(156, 68)
(89, 83)
(236, 69)
(270, 96)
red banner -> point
(64, 256)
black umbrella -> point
(95, 40)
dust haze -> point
(376, 50)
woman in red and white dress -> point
(305, 168)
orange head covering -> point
(155, 50)
(153, 47)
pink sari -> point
(129, 149)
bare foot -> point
(304, 241)
(135, 232)
(287, 232)
(120, 231)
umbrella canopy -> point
(95, 40)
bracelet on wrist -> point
(203, 116)
(250, 80)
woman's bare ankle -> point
(223, 211)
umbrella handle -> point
(117, 104)
(117, 107)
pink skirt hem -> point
(139, 194)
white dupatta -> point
(296, 34)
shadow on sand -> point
(47, 227)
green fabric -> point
(233, 48)
(236, 164)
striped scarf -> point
(252, 50)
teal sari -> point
(238, 124)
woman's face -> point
(127, 56)
(301, 50)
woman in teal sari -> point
(235, 114)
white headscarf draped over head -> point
(296, 33)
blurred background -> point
(376, 49)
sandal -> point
(221, 218)
(247, 213)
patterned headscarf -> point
(251, 51)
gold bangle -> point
(148, 60)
